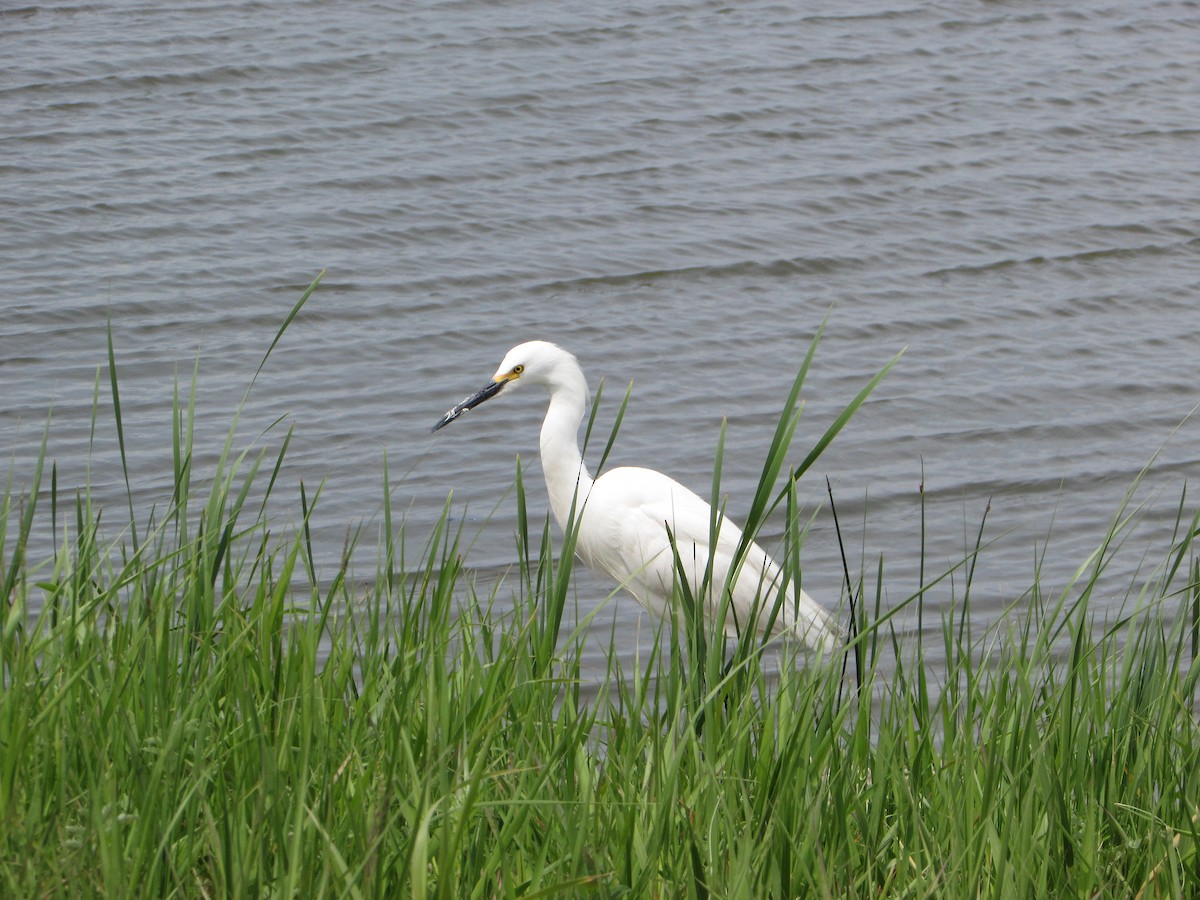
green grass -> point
(187, 711)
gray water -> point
(680, 193)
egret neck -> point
(562, 463)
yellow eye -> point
(518, 369)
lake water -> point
(680, 193)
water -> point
(679, 193)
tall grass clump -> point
(190, 709)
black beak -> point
(488, 392)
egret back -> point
(624, 532)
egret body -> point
(624, 515)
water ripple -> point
(681, 192)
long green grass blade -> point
(205, 716)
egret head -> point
(534, 362)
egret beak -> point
(490, 390)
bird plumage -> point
(627, 516)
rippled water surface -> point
(680, 193)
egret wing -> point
(625, 533)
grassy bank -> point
(190, 712)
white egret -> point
(624, 515)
